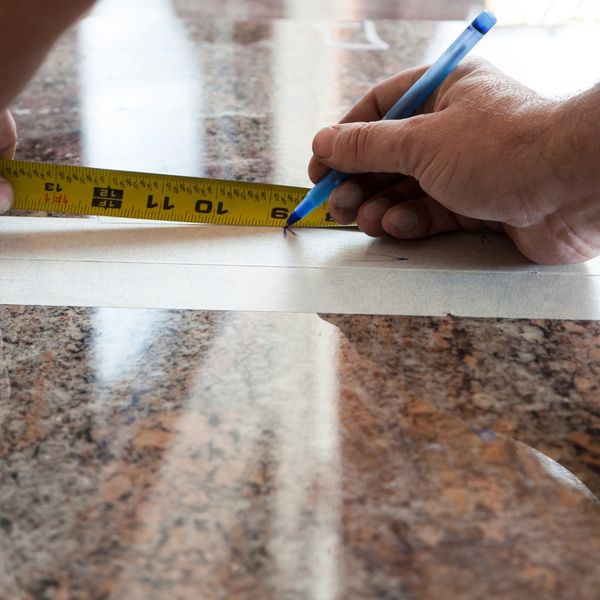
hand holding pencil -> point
(483, 151)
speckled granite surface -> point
(165, 454)
(178, 454)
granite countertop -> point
(193, 454)
(152, 453)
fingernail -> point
(324, 143)
(405, 221)
(347, 196)
(6, 196)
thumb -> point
(401, 146)
(6, 195)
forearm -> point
(28, 28)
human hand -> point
(8, 142)
(484, 151)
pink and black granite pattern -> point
(180, 454)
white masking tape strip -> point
(89, 262)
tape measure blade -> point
(79, 190)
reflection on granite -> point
(534, 380)
(339, 10)
(241, 70)
(181, 454)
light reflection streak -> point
(309, 465)
(544, 12)
(557, 471)
(305, 74)
(565, 50)
(122, 337)
(279, 402)
(141, 96)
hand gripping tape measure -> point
(88, 191)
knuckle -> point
(474, 63)
(471, 65)
(412, 146)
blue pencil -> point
(405, 107)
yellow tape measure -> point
(88, 191)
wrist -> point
(575, 145)
(571, 193)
